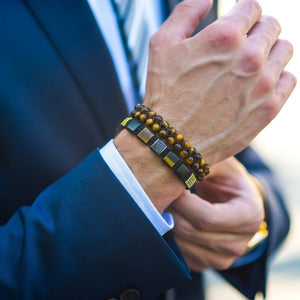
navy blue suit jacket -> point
(68, 229)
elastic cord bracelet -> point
(160, 148)
(164, 140)
(173, 139)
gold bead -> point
(203, 162)
(189, 160)
(155, 127)
(186, 144)
(179, 137)
(149, 122)
(170, 140)
(143, 117)
(151, 114)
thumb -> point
(185, 18)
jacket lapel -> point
(71, 27)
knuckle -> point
(271, 109)
(273, 22)
(266, 84)
(227, 37)
(252, 60)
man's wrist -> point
(158, 181)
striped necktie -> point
(135, 33)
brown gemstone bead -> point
(203, 162)
(197, 157)
(192, 151)
(155, 127)
(186, 144)
(184, 153)
(157, 119)
(143, 117)
(162, 133)
(177, 147)
(190, 160)
(200, 175)
(164, 125)
(137, 114)
(145, 110)
(195, 166)
(151, 114)
(149, 122)
(132, 114)
(171, 131)
(170, 140)
(139, 106)
(205, 169)
(179, 137)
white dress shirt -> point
(108, 25)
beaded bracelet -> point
(144, 134)
(161, 128)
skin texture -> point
(219, 88)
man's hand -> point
(214, 227)
(219, 88)
(223, 85)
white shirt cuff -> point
(162, 223)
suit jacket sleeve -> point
(76, 240)
(249, 273)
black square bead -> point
(171, 159)
(158, 146)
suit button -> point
(130, 294)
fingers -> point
(201, 258)
(185, 17)
(230, 244)
(285, 86)
(233, 216)
(243, 15)
(263, 35)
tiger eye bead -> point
(145, 110)
(155, 127)
(192, 151)
(162, 133)
(177, 147)
(203, 162)
(139, 106)
(189, 160)
(149, 122)
(164, 125)
(179, 137)
(205, 169)
(200, 175)
(170, 140)
(184, 153)
(197, 157)
(171, 131)
(137, 114)
(151, 114)
(157, 119)
(132, 114)
(195, 166)
(143, 117)
(186, 144)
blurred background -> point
(279, 145)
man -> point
(86, 235)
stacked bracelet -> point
(177, 153)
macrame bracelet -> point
(195, 162)
(144, 134)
